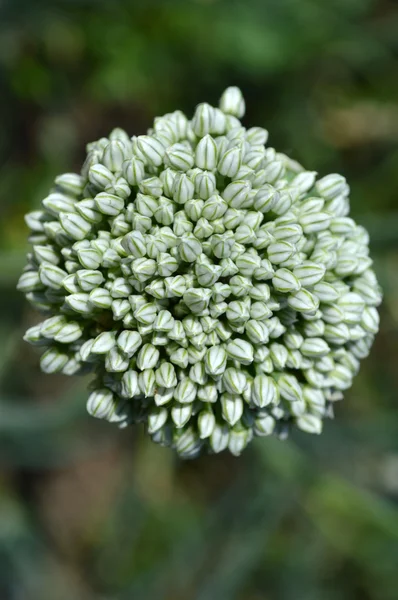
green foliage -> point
(87, 512)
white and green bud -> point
(331, 186)
(165, 375)
(146, 313)
(129, 342)
(315, 222)
(116, 361)
(147, 382)
(214, 208)
(232, 408)
(197, 299)
(205, 184)
(309, 423)
(89, 258)
(185, 392)
(309, 273)
(133, 170)
(180, 358)
(148, 357)
(74, 225)
(232, 102)
(79, 303)
(157, 417)
(163, 395)
(278, 355)
(114, 155)
(108, 204)
(202, 122)
(285, 281)
(103, 343)
(151, 149)
(229, 162)
(189, 249)
(303, 301)
(52, 276)
(314, 347)
(206, 153)
(30, 281)
(179, 157)
(180, 414)
(206, 423)
(215, 361)
(57, 203)
(240, 350)
(257, 332)
(264, 391)
(102, 404)
(53, 361)
(280, 252)
(222, 246)
(70, 183)
(69, 333)
(100, 298)
(290, 388)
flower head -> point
(215, 288)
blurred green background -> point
(91, 513)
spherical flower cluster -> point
(215, 288)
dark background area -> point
(93, 513)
